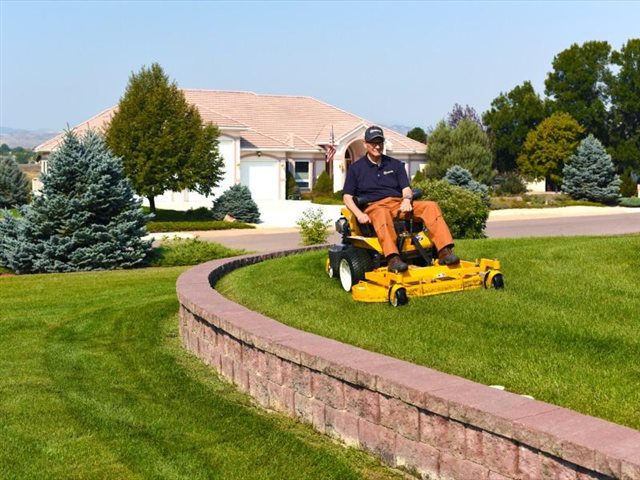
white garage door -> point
(262, 178)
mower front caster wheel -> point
(495, 280)
(398, 296)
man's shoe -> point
(447, 257)
(396, 265)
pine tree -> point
(466, 145)
(14, 187)
(86, 218)
(590, 174)
(237, 202)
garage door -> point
(262, 178)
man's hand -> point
(405, 205)
(363, 218)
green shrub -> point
(155, 227)
(509, 183)
(418, 177)
(293, 191)
(237, 202)
(630, 202)
(324, 185)
(327, 201)
(314, 229)
(628, 188)
(463, 210)
(189, 251)
(199, 214)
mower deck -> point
(381, 285)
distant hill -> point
(15, 137)
(403, 129)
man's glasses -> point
(376, 144)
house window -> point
(301, 174)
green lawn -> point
(566, 329)
(95, 384)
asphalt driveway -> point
(567, 221)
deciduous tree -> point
(417, 134)
(459, 113)
(161, 139)
(579, 85)
(625, 107)
(509, 120)
(548, 147)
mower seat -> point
(407, 225)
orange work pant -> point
(383, 212)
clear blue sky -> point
(390, 62)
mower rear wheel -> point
(398, 296)
(353, 265)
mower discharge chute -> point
(362, 268)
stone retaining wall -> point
(432, 424)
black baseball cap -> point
(372, 133)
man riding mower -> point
(376, 190)
(363, 269)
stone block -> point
(552, 468)
(362, 402)
(455, 468)
(529, 463)
(473, 444)
(309, 410)
(328, 390)
(434, 430)
(500, 454)
(456, 439)
(301, 380)
(280, 398)
(417, 456)
(241, 376)
(226, 369)
(258, 390)
(399, 417)
(377, 439)
(274, 368)
(342, 425)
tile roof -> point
(277, 122)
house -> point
(262, 135)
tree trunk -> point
(152, 204)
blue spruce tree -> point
(14, 187)
(590, 174)
(85, 219)
(237, 202)
(457, 175)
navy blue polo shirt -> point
(366, 179)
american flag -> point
(331, 148)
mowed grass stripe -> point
(95, 384)
(566, 329)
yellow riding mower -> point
(362, 267)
